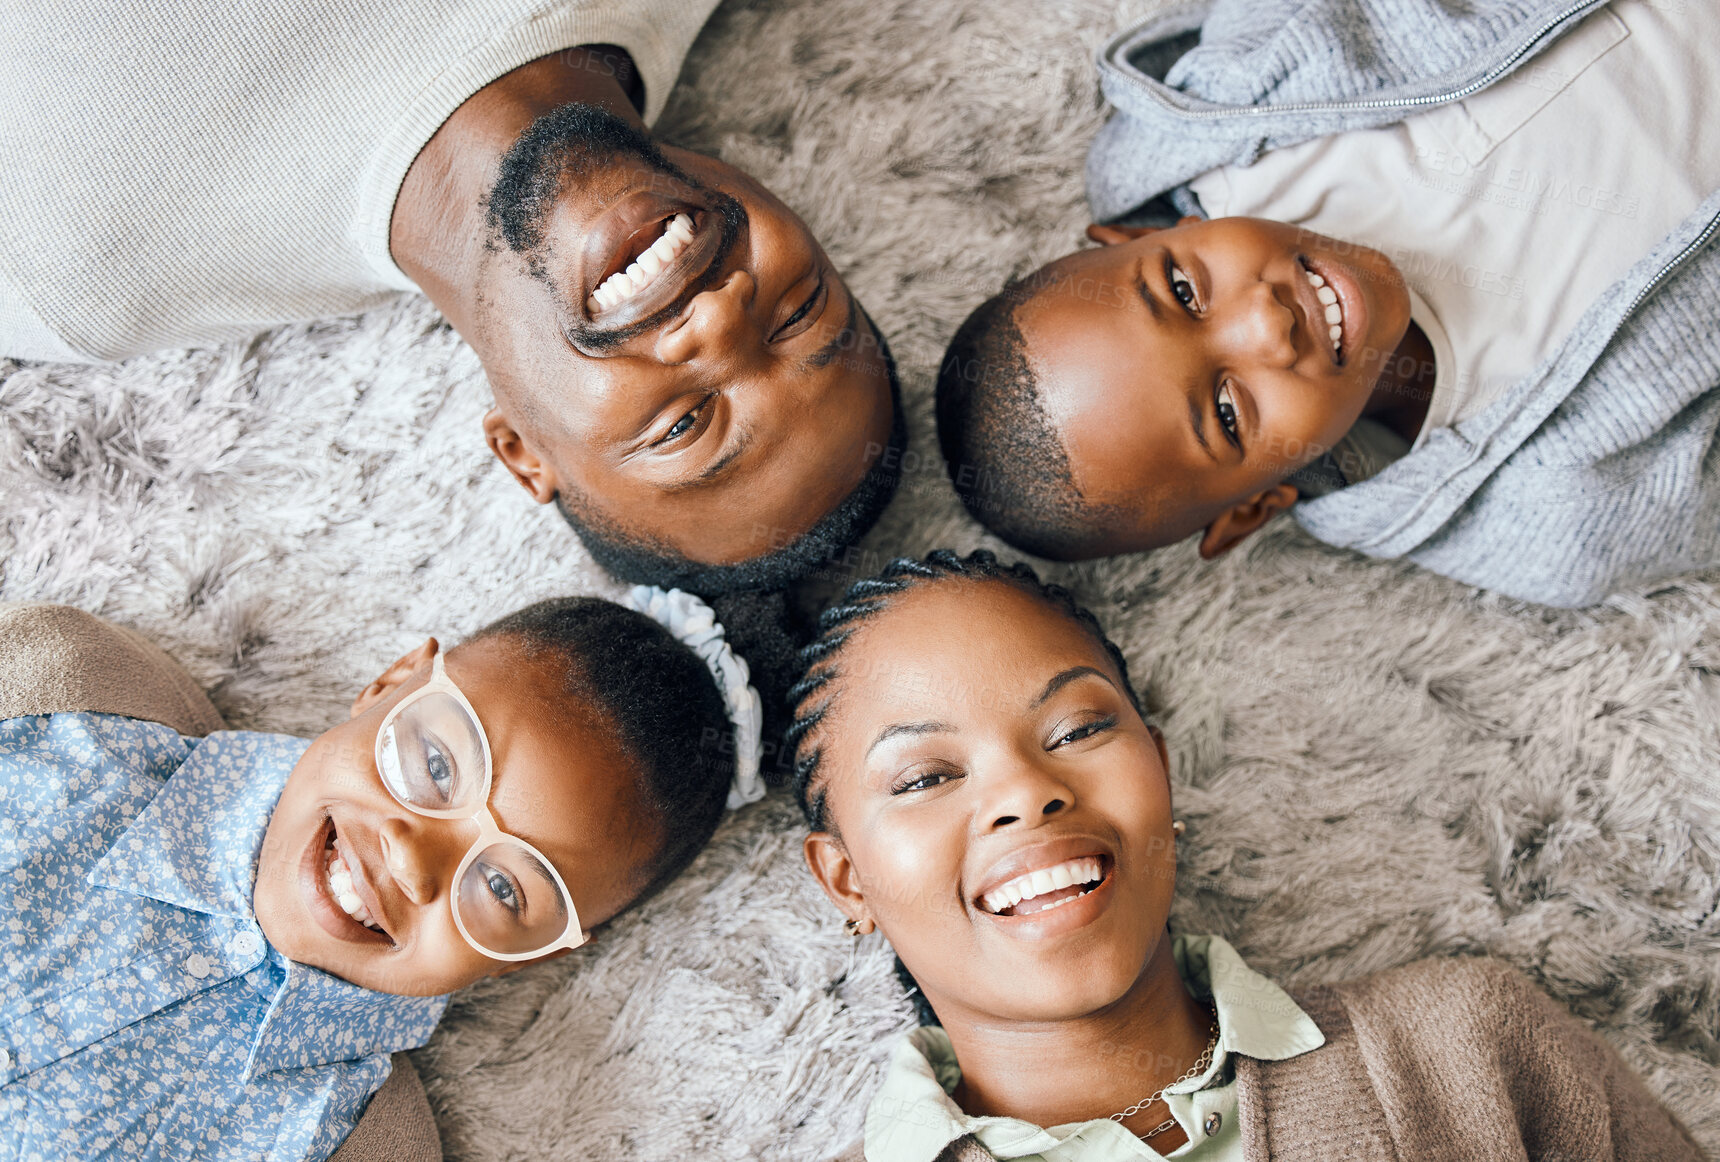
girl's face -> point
(997, 805)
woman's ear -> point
(835, 873)
(1229, 527)
(402, 670)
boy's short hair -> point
(1006, 461)
(659, 699)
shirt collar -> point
(195, 845)
(912, 1117)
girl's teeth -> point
(1316, 280)
(1335, 331)
(624, 284)
(340, 887)
(1325, 294)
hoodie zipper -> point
(1152, 88)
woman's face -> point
(997, 805)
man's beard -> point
(560, 153)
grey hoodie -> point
(1601, 469)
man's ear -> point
(1233, 524)
(534, 474)
(1116, 235)
(835, 873)
(401, 671)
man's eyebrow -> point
(896, 729)
(1197, 421)
(1064, 678)
(828, 352)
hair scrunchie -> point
(695, 625)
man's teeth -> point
(624, 284)
(1085, 870)
(1334, 313)
(340, 887)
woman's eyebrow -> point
(900, 728)
(1064, 678)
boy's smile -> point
(1190, 369)
(352, 882)
(998, 805)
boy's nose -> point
(1261, 327)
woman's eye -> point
(920, 781)
(1086, 730)
(1225, 405)
(502, 888)
(1181, 287)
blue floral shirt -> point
(142, 1012)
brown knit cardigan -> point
(1441, 1061)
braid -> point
(868, 597)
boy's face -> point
(554, 786)
(1190, 369)
(961, 756)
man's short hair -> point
(632, 558)
(1006, 461)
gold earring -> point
(1178, 827)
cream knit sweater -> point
(183, 171)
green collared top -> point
(913, 1118)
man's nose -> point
(720, 322)
(1260, 327)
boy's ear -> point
(533, 473)
(402, 670)
(1116, 235)
(835, 873)
(1229, 527)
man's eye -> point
(684, 425)
(1181, 287)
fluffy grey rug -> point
(1376, 764)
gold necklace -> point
(1200, 1066)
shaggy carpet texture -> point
(1376, 764)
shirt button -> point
(1213, 1122)
(5, 1059)
(246, 943)
(197, 965)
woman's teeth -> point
(1334, 312)
(340, 887)
(1086, 870)
(624, 284)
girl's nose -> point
(414, 855)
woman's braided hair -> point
(871, 596)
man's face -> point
(1189, 368)
(554, 786)
(721, 408)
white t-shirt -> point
(1510, 212)
(181, 171)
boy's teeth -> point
(1085, 870)
(1334, 311)
(624, 284)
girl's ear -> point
(835, 873)
(402, 670)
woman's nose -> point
(1261, 327)
(1025, 793)
(719, 322)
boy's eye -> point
(1085, 730)
(1181, 286)
(1225, 405)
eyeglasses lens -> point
(509, 901)
(432, 755)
